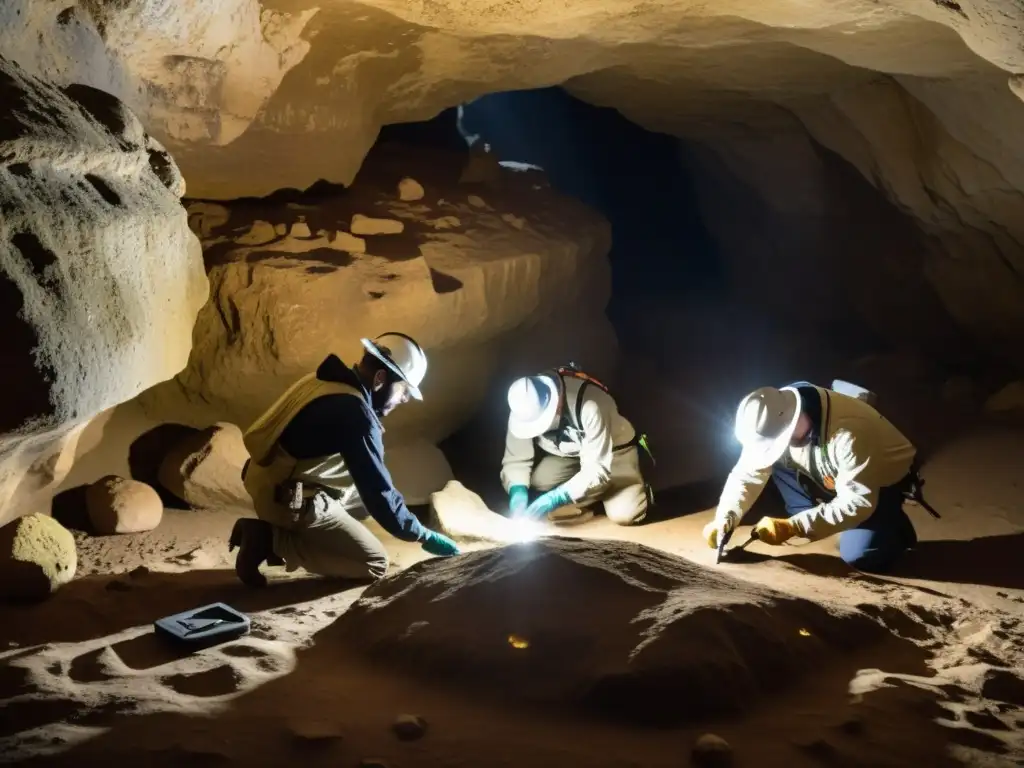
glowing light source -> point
(804, 633)
(523, 530)
(517, 642)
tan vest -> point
(889, 452)
(566, 440)
(270, 464)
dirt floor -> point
(84, 679)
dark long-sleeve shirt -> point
(347, 425)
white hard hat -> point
(765, 422)
(403, 356)
(533, 406)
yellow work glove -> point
(719, 528)
(775, 530)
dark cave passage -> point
(753, 257)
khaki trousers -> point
(327, 540)
(625, 499)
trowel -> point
(725, 540)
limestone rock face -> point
(37, 556)
(477, 292)
(922, 98)
(100, 275)
(119, 505)
(520, 622)
(204, 469)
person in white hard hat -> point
(317, 469)
(840, 466)
(587, 451)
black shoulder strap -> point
(578, 410)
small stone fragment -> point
(711, 751)
(343, 241)
(281, 229)
(364, 225)
(301, 229)
(315, 732)
(516, 221)
(410, 189)
(409, 727)
(476, 201)
(261, 233)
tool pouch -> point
(290, 494)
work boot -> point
(255, 542)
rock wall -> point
(494, 278)
(923, 98)
(101, 278)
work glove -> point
(775, 530)
(547, 503)
(438, 544)
(720, 527)
(518, 500)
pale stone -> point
(410, 190)
(364, 225)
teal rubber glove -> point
(438, 544)
(518, 500)
(550, 501)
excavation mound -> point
(612, 627)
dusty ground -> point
(85, 680)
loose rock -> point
(409, 727)
(119, 505)
(410, 189)
(204, 469)
(711, 751)
(37, 556)
(364, 225)
(301, 229)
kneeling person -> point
(840, 466)
(588, 451)
(317, 468)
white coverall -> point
(594, 463)
(330, 540)
(860, 452)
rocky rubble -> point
(100, 276)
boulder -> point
(120, 505)
(37, 556)
(100, 277)
(604, 627)
(463, 515)
(204, 468)
(486, 299)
